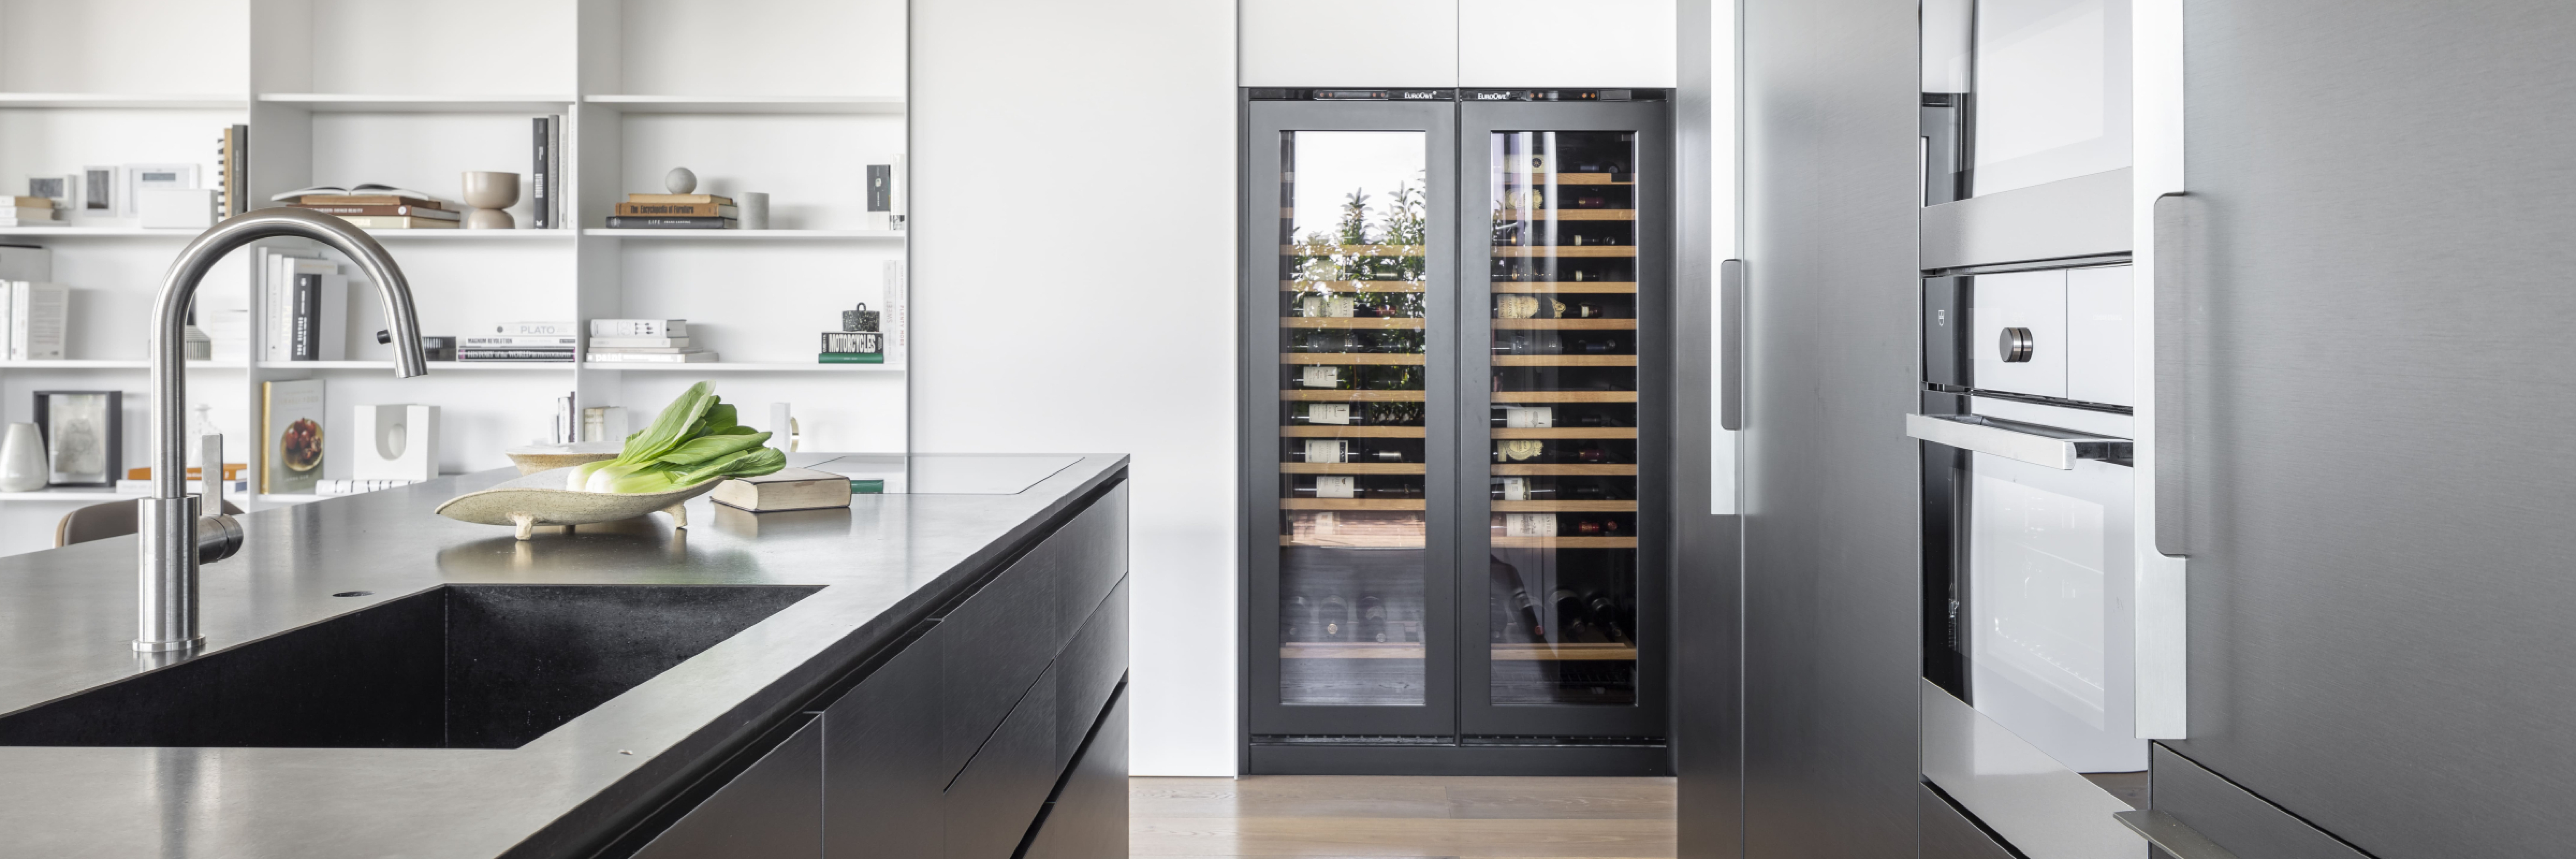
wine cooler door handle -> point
(2176, 262)
(1730, 336)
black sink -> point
(458, 667)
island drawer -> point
(1088, 671)
(772, 809)
(999, 638)
(1088, 817)
(881, 760)
(990, 804)
(1102, 546)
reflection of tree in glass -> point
(1344, 254)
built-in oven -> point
(2030, 489)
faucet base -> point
(141, 646)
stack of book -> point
(30, 212)
(520, 341)
(33, 319)
(307, 303)
(645, 341)
(676, 212)
(376, 207)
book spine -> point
(536, 329)
(558, 187)
(8, 321)
(678, 210)
(627, 223)
(639, 328)
(649, 358)
(307, 345)
(540, 197)
(241, 169)
(880, 187)
(848, 358)
(518, 341)
(513, 354)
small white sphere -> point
(680, 180)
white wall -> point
(1073, 275)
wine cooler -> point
(1456, 409)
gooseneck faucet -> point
(176, 535)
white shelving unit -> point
(788, 97)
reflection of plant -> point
(1319, 258)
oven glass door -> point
(2051, 643)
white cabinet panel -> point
(2032, 305)
(2098, 335)
(1355, 43)
(1550, 43)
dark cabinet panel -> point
(1089, 816)
(1088, 671)
(881, 772)
(996, 644)
(1096, 553)
(990, 805)
(1948, 834)
(771, 811)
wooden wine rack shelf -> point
(1500, 652)
(1596, 286)
(1359, 542)
(1565, 432)
(1360, 468)
(1337, 395)
(1506, 215)
(1561, 396)
(1557, 361)
(1564, 506)
(1565, 324)
(1351, 650)
(1523, 180)
(1311, 431)
(1357, 358)
(1351, 250)
(1387, 286)
(1351, 504)
(1565, 251)
(1389, 322)
(1565, 542)
(1560, 468)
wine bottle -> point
(1328, 414)
(1522, 489)
(1290, 614)
(1336, 616)
(1606, 617)
(1523, 417)
(1328, 486)
(1343, 450)
(1526, 611)
(1372, 625)
(1603, 346)
(1501, 625)
(1571, 625)
(1328, 376)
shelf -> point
(746, 235)
(74, 232)
(1351, 432)
(1351, 504)
(1566, 432)
(1565, 469)
(1510, 215)
(1564, 506)
(119, 101)
(1360, 542)
(1351, 250)
(369, 103)
(1349, 358)
(750, 104)
(387, 366)
(1561, 396)
(1336, 395)
(1565, 652)
(742, 367)
(460, 234)
(1386, 322)
(110, 364)
(1565, 542)
(1598, 286)
(1567, 251)
(77, 496)
(1522, 180)
(1565, 324)
(1351, 650)
(1565, 360)
(1350, 468)
(1375, 286)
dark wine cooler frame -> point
(1527, 634)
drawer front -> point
(1089, 816)
(2098, 356)
(1089, 671)
(995, 645)
(881, 760)
(1948, 834)
(2033, 301)
(995, 798)
(773, 809)
(1096, 556)
(2245, 824)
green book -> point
(867, 487)
(850, 357)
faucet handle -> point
(384, 336)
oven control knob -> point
(2014, 345)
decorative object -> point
(438, 348)
(63, 190)
(291, 428)
(680, 181)
(547, 457)
(783, 429)
(754, 208)
(84, 433)
(182, 208)
(528, 501)
(22, 459)
(395, 442)
(861, 319)
(154, 177)
(98, 197)
(488, 192)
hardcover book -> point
(410, 211)
(642, 223)
(639, 328)
(679, 198)
(290, 421)
(679, 210)
(390, 222)
(785, 489)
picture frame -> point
(63, 189)
(84, 436)
(139, 177)
(97, 193)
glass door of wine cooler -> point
(1349, 289)
(1566, 242)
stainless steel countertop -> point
(66, 616)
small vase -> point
(489, 192)
(22, 459)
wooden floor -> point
(1354, 816)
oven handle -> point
(2014, 440)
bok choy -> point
(696, 439)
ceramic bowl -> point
(546, 457)
(528, 501)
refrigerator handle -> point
(2177, 260)
(1730, 335)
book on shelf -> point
(469, 356)
(897, 322)
(368, 200)
(394, 222)
(24, 214)
(784, 489)
(598, 342)
(287, 317)
(335, 193)
(690, 199)
(596, 349)
(319, 328)
(678, 210)
(518, 341)
(634, 358)
(232, 171)
(290, 431)
(403, 211)
(849, 357)
(23, 222)
(45, 203)
(537, 329)
(639, 328)
(38, 316)
(541, 179)
(620, 222)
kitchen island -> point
(917, 675)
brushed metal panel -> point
(1947, 834)
(2035, 303)
(2239, 822)
(1831, 90)
(2379, 588)
(2046, 810)
(2083, 216)
(1707, 752)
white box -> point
(190, 208)
(395, 442)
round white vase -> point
(22, 459)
